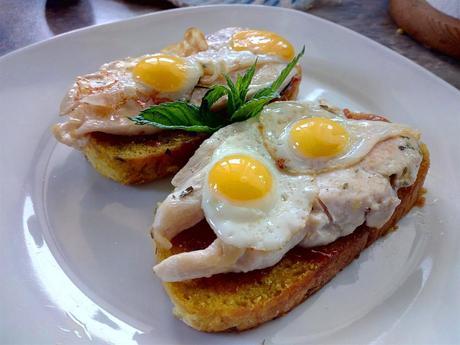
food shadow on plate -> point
(303, 325)
(99, 191)
(102, 229)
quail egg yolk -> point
(262, 42)
(240, 178)
(162, 72)
(318, 137)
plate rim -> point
(360, 36)
(200, 8)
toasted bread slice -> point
(239, 301)
(143, 159)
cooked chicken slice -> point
(254, 259)
(363, 193)
(354, 196)
(321, 228)
(181, 210)
(217, 258)
(405, 162)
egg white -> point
(265, 224)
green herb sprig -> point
(189, 117)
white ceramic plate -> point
(75, 255)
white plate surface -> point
(75, 255)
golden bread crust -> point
(239, 301)
(143, 159)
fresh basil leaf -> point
(281, 78)
(233, 102)
(209, 99)
(287, 70)
(212, 96)
(174, 115)
(252, 107)
(243, 82)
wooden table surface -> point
(23, 22)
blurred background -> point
(425, 31)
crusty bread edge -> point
(167, 159)
(298, 292)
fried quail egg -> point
(171, 76)
(247, 201)
(232, 50)
(310, 140)
(262, 42)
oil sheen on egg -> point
(173, 77)
(311, 140)
(247, 201)
(263, 42)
